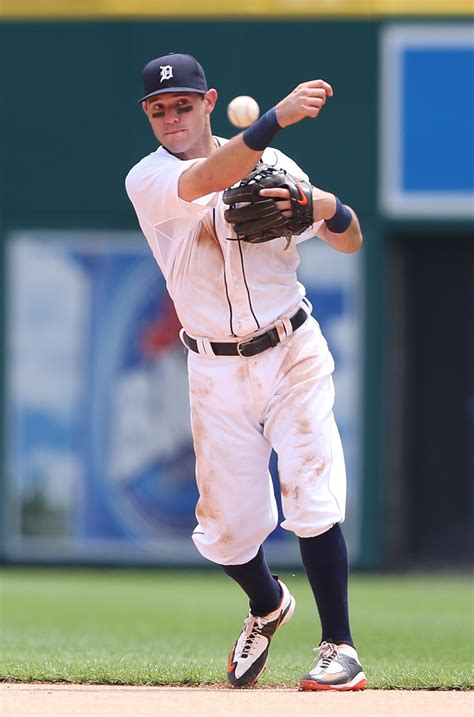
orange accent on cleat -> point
(230, 661)
(310, 685)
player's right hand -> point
(306, 100)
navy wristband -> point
(260, 134)
(341, 219)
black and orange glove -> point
(257, 219)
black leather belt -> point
(253, 346)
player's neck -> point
(202, 148)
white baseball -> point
(242, 111)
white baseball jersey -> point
(220, 288)
(241, 408)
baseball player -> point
(223, 219)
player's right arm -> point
(225, 166)
(234, 160)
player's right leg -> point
(248, 657)
(236, 509)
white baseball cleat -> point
(337, 668)
(248, 657)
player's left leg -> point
(301, 427)
(337, 663)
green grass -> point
(156, 627)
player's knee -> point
(234, 543)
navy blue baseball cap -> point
(173, 73)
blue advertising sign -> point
(427, 119)
(99, 455)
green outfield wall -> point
(70, 129)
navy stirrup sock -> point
(325, 561)
(257, 581)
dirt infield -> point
(41, 700)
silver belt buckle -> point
(281, 331)
(240, 344)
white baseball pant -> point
(241, 408)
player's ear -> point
(144, 107)
(210, 99)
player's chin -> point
(176, 141)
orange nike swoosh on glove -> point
(304, 199)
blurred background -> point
(97, 465)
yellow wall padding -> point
(29, 9)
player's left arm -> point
(324, 207)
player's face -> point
(179, 120)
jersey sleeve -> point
(152, 187)
(275, 158)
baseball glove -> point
(258, 219)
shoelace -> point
(253, 627)
(327, 652)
